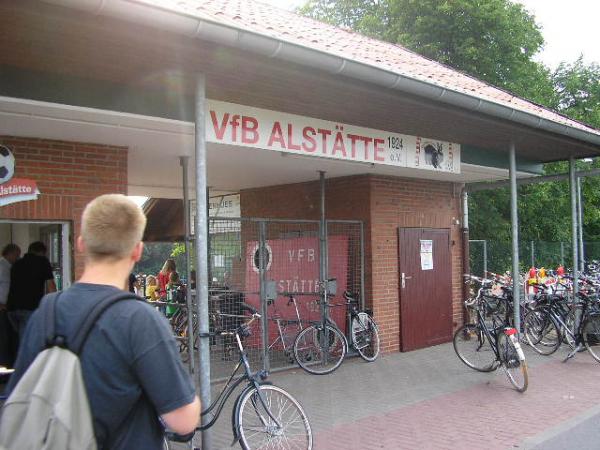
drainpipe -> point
(465, 249)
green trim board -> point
(75, 91)
(491, 158)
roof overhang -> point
(155, 145)
(152, 14)
(106, 79)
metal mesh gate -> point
(290, 262)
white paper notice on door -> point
(426, 254)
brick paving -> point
(485, 415)
(428, 399)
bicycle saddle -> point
(349, 296)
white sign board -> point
(220, 206)
(224, 206)
(426, 254)
(245, 126)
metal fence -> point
(495, 256)
(248, 255)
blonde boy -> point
(131, 367)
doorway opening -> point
(55, 234)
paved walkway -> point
(428, 399)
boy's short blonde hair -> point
(151, 280)
(111, 226)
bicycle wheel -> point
(257, 429)
(515, 368)
(473, 348)
(365, 336)
(319, 351)
(541, 332)
(591, 336)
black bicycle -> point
(364, 332)
(490, 342)
(321, 347)
(264, 416)
(553, 322)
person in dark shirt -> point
(130, 363)
(132, 282)
(30, 278)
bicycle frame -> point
(253, 380)
(282, 325)
(497, 328)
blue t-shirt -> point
(130, 363)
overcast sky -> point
(569, 27)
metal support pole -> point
(201, 231)
(514, 218)
(362, 268)
(485, 259)
(580, 225)
(562, 253)
(573, 189)
(532, 253)
(184, 161)
(262, 270)
(323, 237)
(209, 276)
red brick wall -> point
(384, 204)
(68, 175)
(408, 203)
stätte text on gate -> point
(245, 126)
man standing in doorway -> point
(130, 362)
(30, 278)
(10, 254)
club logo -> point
(13, 190)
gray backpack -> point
(48, 409)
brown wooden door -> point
(426, 292)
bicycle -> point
(553, 322)
(264, 415)
(489, 344)
(287, 329)
(364, 332)
(320, 348)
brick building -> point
(98, 99)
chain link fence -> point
(246, 255)
(496, 256)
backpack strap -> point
(50, 322)
(97, 310)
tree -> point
(493, 40)
(577, 86)
(156, 253)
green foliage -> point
(578, 89)
(156, 253)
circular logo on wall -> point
(268, 257)
(7, 164)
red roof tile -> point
(249, 15)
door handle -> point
(403, 280)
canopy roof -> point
(123, 72)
